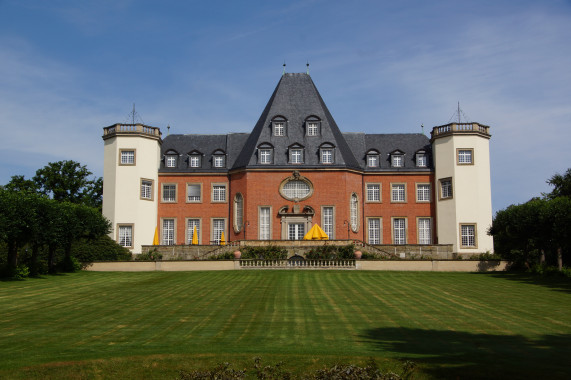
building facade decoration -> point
(294, 169)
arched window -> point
(354, 212)
(238, 212)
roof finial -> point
(422, 127)
(168, 129)
(307, 64)
(283, 73)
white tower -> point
(130, 180)
(461, 153)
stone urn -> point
(237, 254)
(358, 255)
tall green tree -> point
(70, 181)
(561, 185)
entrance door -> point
(296, 231)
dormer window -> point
(265, 153)
(296, 154)
(397, 159)
(195, 159)
(312, 125)
(279, 126)
(312, 129)
(373, 159)
(421, 159)
(327, 153)
(219, 159)
(171, 159)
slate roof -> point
(295, 98)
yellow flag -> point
(222, 240)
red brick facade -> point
(330, 188)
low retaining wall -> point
(391, 265)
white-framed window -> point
(170, 160)
(328, 221)
(399, 231)
(147, 189)
(238, 212)
(194, 192)
(326, 155)
(265, 226)
(195, 161)
(191, 223)
(265, 156)
(218, 193)
(296, 156)
(127, 157)
(465, 156)
(168, 232)
(397, 160)
(296, 231)
(398, 192)
(125, 235)
(169, 192)
(373, 160)
(424, 231)
(219, 160)
(218, 227)
(374, 230)
(421, 160)
(446, 188)
(373, 192)
(468, 235)
(312, 128)
(354, 212)
(423, 192)
(279, 128)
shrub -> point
(222, 371)
(329, 252)
(223, 256)
(151, 255)
(100, 249)
(270, 252)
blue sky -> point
(70, 68)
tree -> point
(20, 183)
(539, 227)
(70, 181)
(561, 184)
(17, 215)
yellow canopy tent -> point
(194, 237)
(316, 233)
(156, 238)
(222, 240)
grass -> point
(151, 325)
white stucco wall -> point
(471, 202)
(122, 203)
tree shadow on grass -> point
(453, 354)
(554, 282)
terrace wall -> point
(388, 265)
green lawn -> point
(150, 325)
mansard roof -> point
(387, 143)
(208, 145)
(296, 99)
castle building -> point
(294, 169)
